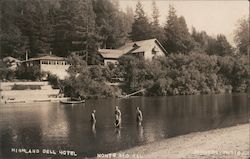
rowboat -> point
(72, 101)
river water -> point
(55, 126)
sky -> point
(214, 17)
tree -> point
(241, 36)
(178, 39)
(26, 27)
(85, 81)
(75, 29)
(13, 43)
(223, 47)
(234, 71)
(112, 24)
(34, 25)
(156, 29)
(155, 14)
(210, 45)
(141, 28)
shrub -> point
(29, 73)
(53, 80)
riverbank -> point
(229, 143)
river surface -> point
(55, 126)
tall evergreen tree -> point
(223, 47)
(178, 39)
(156, 29)
(129, 20)
(155, 14)
(210, 45)
(75, 28)
(28, 23)
(110, 23)
(241, 37)
(34, 24)
(10, 34)
(141, 28)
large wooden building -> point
(146, 49)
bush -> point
(29, 73)
(176, 74)
(53, 80)
(86, 82)
(180, 74)
(7, 74)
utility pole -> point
(26, 55)
(87, 43)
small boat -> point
(72, 101)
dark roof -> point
(10, 59)
(110, 53)
(47, 57)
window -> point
(135, 45)
(45, 62)
(139, 54)
(155, 50)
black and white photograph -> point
(124, 79)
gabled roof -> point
(47, 57)
(131, 47)
(141, 46)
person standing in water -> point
(93, 122)
(118, 117)
(138, 116)
(93, 119)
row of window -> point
(46, 62)
(54, 62)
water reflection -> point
(55, 126)
(93, 129)
(140, 132)
(118, 134)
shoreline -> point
(224, 143)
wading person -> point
(93, 122)
(93, 119)
(118, 117)
(117, 121)
(138, 116)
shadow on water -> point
(63, 127)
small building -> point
(146, 49)
(50, 63)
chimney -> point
(26, 56)
(50, 53)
